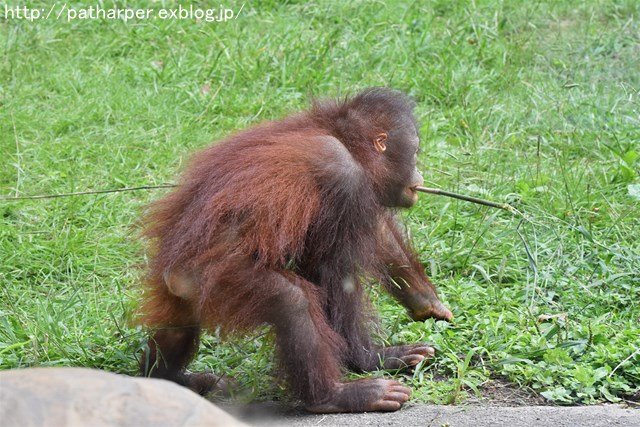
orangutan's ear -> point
(380, 141)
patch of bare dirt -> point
(500, 392)
(633, 399)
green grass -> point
(534, 103)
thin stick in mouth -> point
(504, 206)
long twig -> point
(504, 206)
(82, 193)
